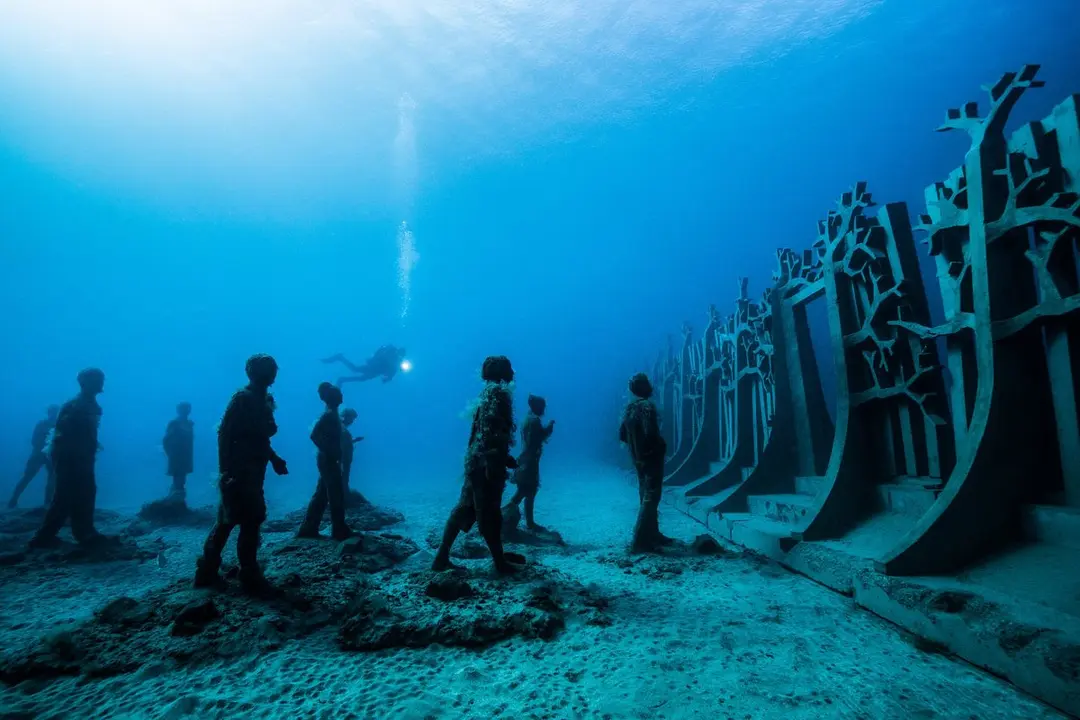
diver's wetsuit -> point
(384, 363)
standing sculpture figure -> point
(73, 455)
(243, 452)
(348, 449)
(527, 476)
(179, 444)
(486, 462)
(327, 436)
(39, 459)
(640, 430)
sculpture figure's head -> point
(537, 404)
(497, 369)
(330, 394)
(640, 386)
(91, 381)
(261, 370)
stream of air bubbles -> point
(406, 169)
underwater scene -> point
(539, 359)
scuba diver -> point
(39, 458)
(527, 476)
(385, 363)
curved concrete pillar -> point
(744, 392)
(924, 476)
(734, 467)
(891, 416)
(684, 402)
(801, 428)
(705, 449)
(844, 493)
(1009, 452)
(665, 381)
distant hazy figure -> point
(327, 436)
(38, 459)
(179, 444)
(640, 430)
(486, 463)
(243, 452)
(74, 452)
(386, 362)
(348, 442)
(527, 475)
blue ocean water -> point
(182, 185)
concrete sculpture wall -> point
(946, 494)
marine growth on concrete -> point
(943, 490)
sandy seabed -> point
(720, 637)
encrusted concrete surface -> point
(1029, 643)
(1035, 648)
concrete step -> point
(908, 499)
(703, 509)
(982, 626)
(930, 483)
(809, 485)
(1053, 524)
(768, 537)
(827, 564)
(783, 508)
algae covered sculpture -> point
(486, 462)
